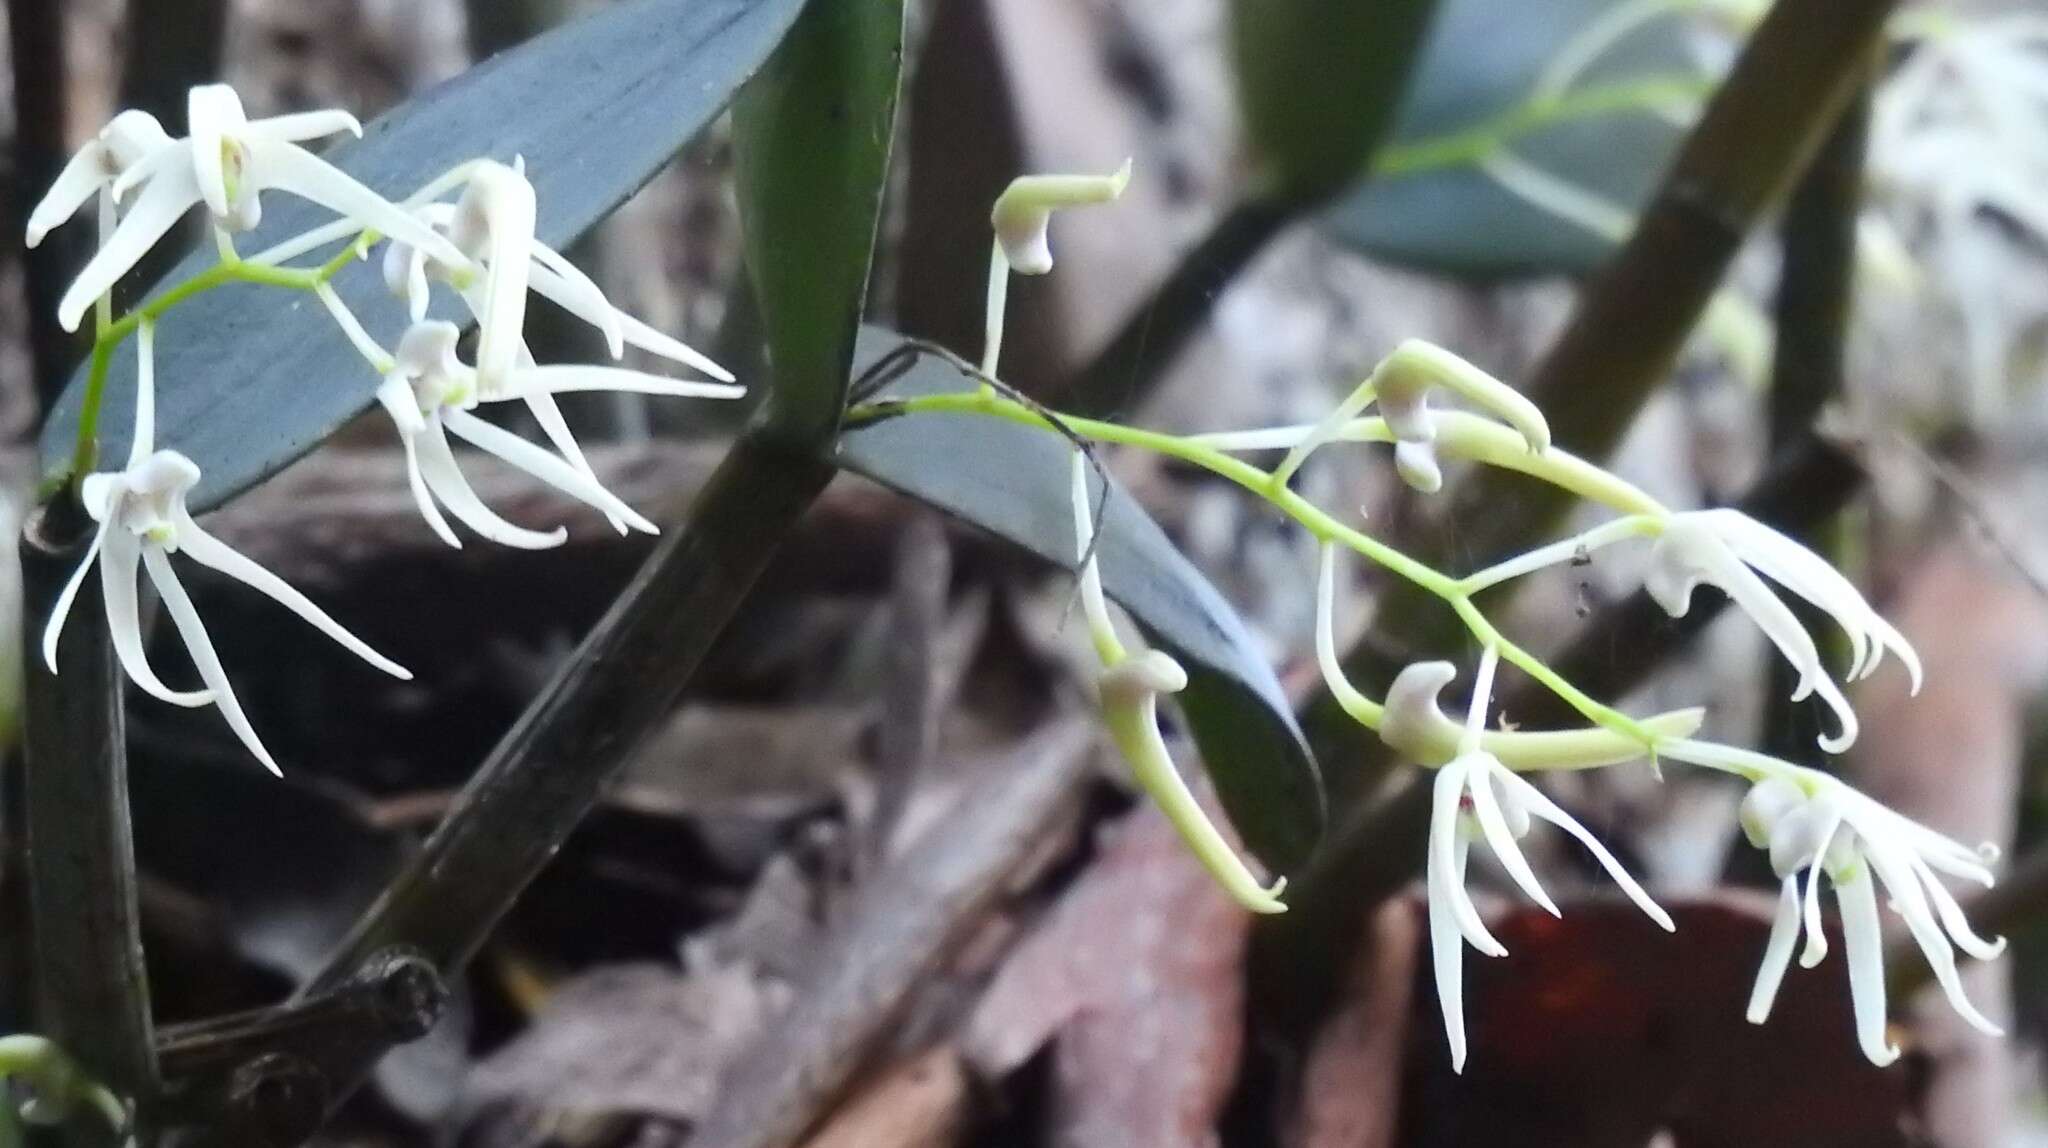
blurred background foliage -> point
(881, 767)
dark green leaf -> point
(1481, 62)
(812, 135)
(250, 378)
(1013, 481)
(1318, 82)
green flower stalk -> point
(1811, 822)
(1130, 686)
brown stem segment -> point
(93, 994)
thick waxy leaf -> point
(1482, 61)
(812, 136)
(1014, 481)
(249, 378)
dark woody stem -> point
(92, 992)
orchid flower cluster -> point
(1812, 826)
(481, 246)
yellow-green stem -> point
(1311, 517)
(1476, 143)
(110, 332)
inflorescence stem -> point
(1455, 592)
(110, 332)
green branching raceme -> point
(1811, 824)
(110, 332)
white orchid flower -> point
(1413, 724)
(1022, 219)
(429, 392)
(1400, 387)
(490, 218)
(1475, 797)
(1022, 215)
(1729, 549)
(1811, 822)
(143, 520)
(1129, 690)
(127, 141)
(227, 163)
(492, 224)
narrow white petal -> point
(509, 210)
(1463, 910)
(1540, 805)
(424, 499)
(1447, 952)
(84, 175)
(212, 114)
(1816, 949)
(1777, 951)
(396, 396)
(162, 202)
(1942, 853)
(118, 573)
(200, 647)
(207, 550)
(548, 415)
(444, 183)
(1782, 627)
(1498, 836)
(62, 610)
(1482, 693)
(1889, 638)
(289, 167)
(1962, 866)
(571, 377)
(1864, 940)
(443, 477)
(639, 334)
(1953, 920)
(1845, 715)
(147, 168)
(564, 284)
(1910, 901)
(418, 293)
(544, 466)
(298, 127)
(1445, 849)
(1804, 573)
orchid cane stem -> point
(81, 861)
